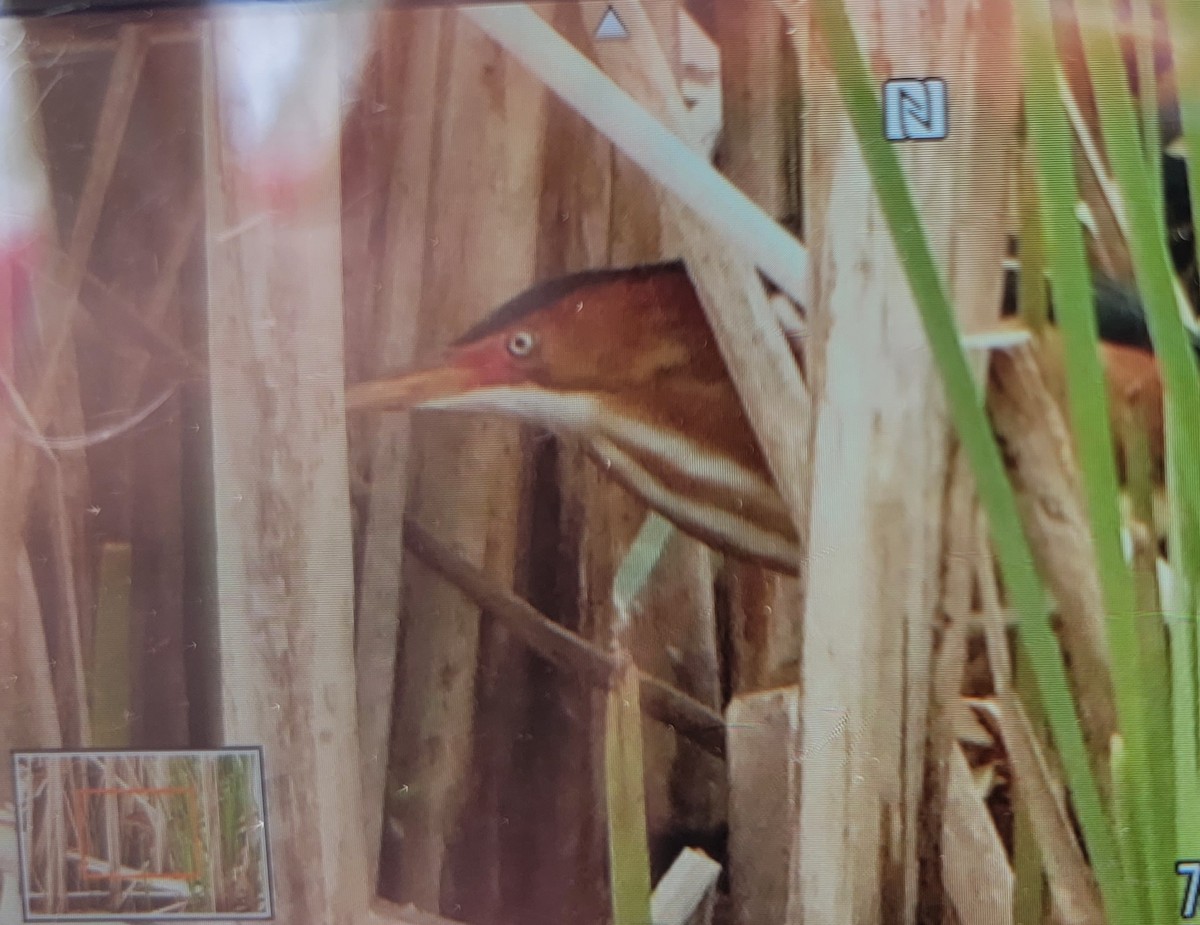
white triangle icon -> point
(611, 26)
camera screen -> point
(689, 462)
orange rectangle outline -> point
(81, 796)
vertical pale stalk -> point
(282, 524)
(485, 157)
(408, 87)
(882, 435)
(1016, 560)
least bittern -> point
(625, 360)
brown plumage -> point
(625, 361)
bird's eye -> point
(521, 344)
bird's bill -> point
(411, 389)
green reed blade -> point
(1183, 482)
(629, 854)
(640, 561)
(1147, 73)
(1022, 583)
(1032, 303)
(1156, 283)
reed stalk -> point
(1023, 585)
(629, 857)
(1034, 309)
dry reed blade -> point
(1072, 886)
(946, 676)
(979, 880)
(1027, 417)
(685, 895)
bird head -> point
(626, 361)
(553, 354)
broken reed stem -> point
(1072, 886)
(562, 647)
(686, 890)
